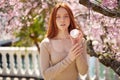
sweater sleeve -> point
(81, 61)
(49, 72)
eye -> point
(66, 16)
(57, 16)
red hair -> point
(52, 30)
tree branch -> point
(99, 9)
(106, 59)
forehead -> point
(62, 11)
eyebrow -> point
(64, 14)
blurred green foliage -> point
(32, 34)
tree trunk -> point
(99, 9)
(105, 58)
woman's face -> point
(62, 19)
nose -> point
(62, 19)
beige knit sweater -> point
(54, 63)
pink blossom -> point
(44, 5)
(13, 2)
(2, 3)
(111, 4)
(35, 4)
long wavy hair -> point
(52, 30)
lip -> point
(62, 25)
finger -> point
(80, 40)
(77, 49)
(80, 50)
(81, 45)
(78, 54)
(80, 36)
(75, 46)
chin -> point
(64, 29)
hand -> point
(75, 51)
(78, 39)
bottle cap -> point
(74, 33)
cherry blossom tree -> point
(102, 31)
(23, 19)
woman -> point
(61, 56)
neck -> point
(62, 35)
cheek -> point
(68, 21)
(56, 22)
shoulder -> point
(44, 45)
(45, 42)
